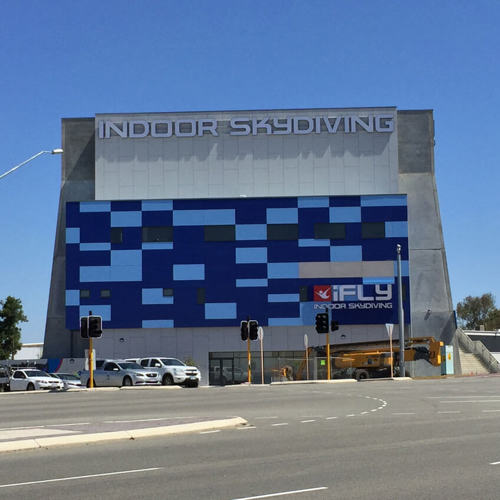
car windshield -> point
(172, 362)
(129, 365)
(36, 373)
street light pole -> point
(52, 152)
(401, 316)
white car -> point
(69, 380)
(30, 379)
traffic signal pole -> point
(328, 347)
(91, 358)
(249, 358)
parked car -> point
(69, 380)
(173, 371)
(4, 378)
(30, 379)
(121, 373)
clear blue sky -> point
(63, 58)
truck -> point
(172, 370)
(373, 360)
(120, 373)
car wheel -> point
(167, 379)
(127, 381)
(194, 384)
(30, 387)
(88, 383)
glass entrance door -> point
(221, 371)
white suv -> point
(173, 371)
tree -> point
(11, 313)
(476, 311)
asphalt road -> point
(381, 439)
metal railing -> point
(477, 348)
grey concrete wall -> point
(77, 184)
(430, 293)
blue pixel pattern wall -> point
(213, 262)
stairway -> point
(471, 365)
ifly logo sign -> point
(322, 293)
(349, 293)
(353, 296)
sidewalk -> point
(45, 436)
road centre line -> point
(262, 418)
(490, 411)
(330, 418)
(293, 492)
(494, 463)
(404, 413)
(462, 396)
(210, 432)
(306, 421)
(453, 411)
(81, 477)
(281, 423)
(67, 425)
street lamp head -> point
(57, 151)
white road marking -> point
(210, 432)
(80, 477)
(494, 463)
(246, 427)
(293, 492)
(37, 432)
(455, 411)
(135, 420)
(404, 413)
(490, 411)
(476, 401)
(364, 413)
(374, 409)
(306, 421)
(351, 415)
(262, 418)
(462, 396)
(281, 423)
(331, 418)
(67, 425)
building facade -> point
(175, 227)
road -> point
(379, 439)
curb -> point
(168, 430)
(337, 381)
(386, 379)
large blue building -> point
(175, 227)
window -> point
(168, 292)
(325, 231)
(282, 231)
(84, 294)
(105, 293)
(200, 296)
(303, 293)
(144, 362)
(219, 233)
(157, 234)
(370, 230)
(116, 235)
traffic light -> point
(244, 330)
(253, 327)
(84, 327)
(95, 326)
(334, 325)
(322, 322)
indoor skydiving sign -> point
(242, 126)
